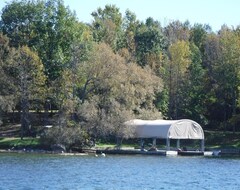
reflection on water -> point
(24, 171)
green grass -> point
(105, 145)
(18, 143)
(221, 139)
(213, 139)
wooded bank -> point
(116, 68)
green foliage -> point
(149, 40)
(29, 80)
(107, 26)
(222, 60)
(162, 102)
(47, 26)
(191, 92)
(66, 136)
(113, 91)
(179, 64)
(116, 68)
(198, 35)
(7, 92)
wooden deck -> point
(191, 153)
(157, 152)
(131, 152)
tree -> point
(198, 35)
(46, 26)
(150, 43)
(112, 91)
(19, 19)
(229, 68)
(130, 24)
(107, 26)
(7, 90)
(210, 60)
(177, 31)
(178, 65)
(192, 95)
(27, 74)
(222, 63)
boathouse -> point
(167, 129)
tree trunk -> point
(25, 122)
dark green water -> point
(26, 171)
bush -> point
(66, 136)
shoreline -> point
(126, 151)
(42, 152)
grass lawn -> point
(105, 145)
(16, 142)
(222, 139)
(213, 139)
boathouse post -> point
(142, 144)
(178, 143)
(168, 143)
(154, 142)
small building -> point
(167, 129)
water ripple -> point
(40, 172)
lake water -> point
(33, 171)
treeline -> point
(98, 75)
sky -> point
(212, 12)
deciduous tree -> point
(178, 65)
(107, 26)
(27, 74)
(114, 91)
(150, 43)
(48, 27)
(7, 90)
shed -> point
(168, 129)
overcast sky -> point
(212, 12)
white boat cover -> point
(167, 129)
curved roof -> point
(172, 129)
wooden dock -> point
(131, 152)
(156, 152)
(191, 153)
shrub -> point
(66, 136)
